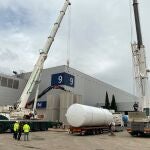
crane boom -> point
(137, 23)
(34, 77)
(140, 68)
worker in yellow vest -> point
(15, 129)
(26, 130)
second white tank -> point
(81, 115)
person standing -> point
(26, 130)
(15, 129)
(20, 130)
(112, 128)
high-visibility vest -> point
(16, 126)
(26, 128)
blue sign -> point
(63, 79)
(41, 104)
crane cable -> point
(68, 36)
(131, 21)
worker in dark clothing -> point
(136, 106)
(112, 128)
(15, 129)
(20, 130)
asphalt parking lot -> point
(56, 140)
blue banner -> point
(41, 104)
(63, 79)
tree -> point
(107, 104)
(113, 103)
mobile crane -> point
(139, 121)
(20, 111)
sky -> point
(99, 34)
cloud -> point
(14, 17)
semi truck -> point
(19, 110)
(139, 121)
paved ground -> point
(51, 140)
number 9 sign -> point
(60, 79)
(71, 81)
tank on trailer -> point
(87, 119)
(81, 115)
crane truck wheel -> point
(134, 134)
(3, 128)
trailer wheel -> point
(101, 131)
(70, 132)
(134, 133)
(94, 132)
(89, 132)
(82, 133)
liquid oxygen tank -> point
(81, 115)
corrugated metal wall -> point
(10, 89)
(57, 105)
(53, 107)
(92, 90)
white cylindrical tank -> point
(81, 115)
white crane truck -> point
(20, 112)
(139, 121)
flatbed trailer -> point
(88, 130)
(35, 125)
